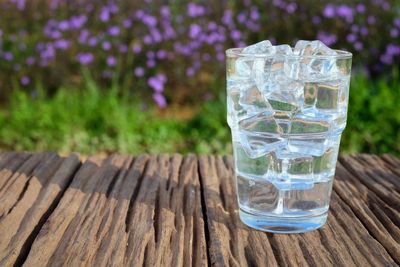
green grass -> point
(91, 121)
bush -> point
(90, 121)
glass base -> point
(283, 225)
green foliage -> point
(373, 124)
(92, 121)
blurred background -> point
(149, 76)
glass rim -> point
(237, 52)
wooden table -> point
(180, 211)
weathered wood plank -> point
(27, 199)
(370, 209)
(9, 165)
(127, 212)
(343, 241)
(231, 242)
(378, 180)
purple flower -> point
(83, 36)
(220, 56)
(385, 6)
(150, 54)
(20, 4)
(397, 22)
(364, 31)
(139, 72)
(329, 11)
(55, 34)
(30, 61)
(392, 49)
(160, 100)
(127, 23)
(123, 48)
(147, 39)
(371, 20)
(316, 20)
(206, 57)
(136, 48)
(235, 35)
(92, 41)
(157, 82)
(345, 12)
(161, 54)
(61, 44)
(291, 8)
(227, 17)
(85, 58)
(190, 72)
(25, 80)
(150, 63)
(156, 35)
(241, 17)
(351, 38)
(194, 30)
(255, 15)
(242, 44)
(48, 53)
(76, 22)
(139, 14)
(194, 10)
(164, 11)
(358, 46)
(63, 25)
(386, 59)
(149, 20)
(113, 31)
(106, 45)
(105, 14)
(360, 8)
(394, 33)
(327, 38)
(212, 26)
(8, 56)
(355, 28)
(111, 61)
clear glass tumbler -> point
(286, 114)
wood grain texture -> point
(127, 212)
(343, 241)
(160, 210)
(26, 200)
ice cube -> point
(260, 134)
(285, 99)
(312, 48)
(250, 165)
(272, 69)
(324, 165)
(234, 110)
(253, 100)
(309, 135)
(243, 67)
(256, 145)
(310, 94)
(319, 60)
(263, 123)
(258, 48)
(296, 171)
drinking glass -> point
(286, 114)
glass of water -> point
(287, 109)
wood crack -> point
(128, 218)
(204, 211)
(26, 247)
